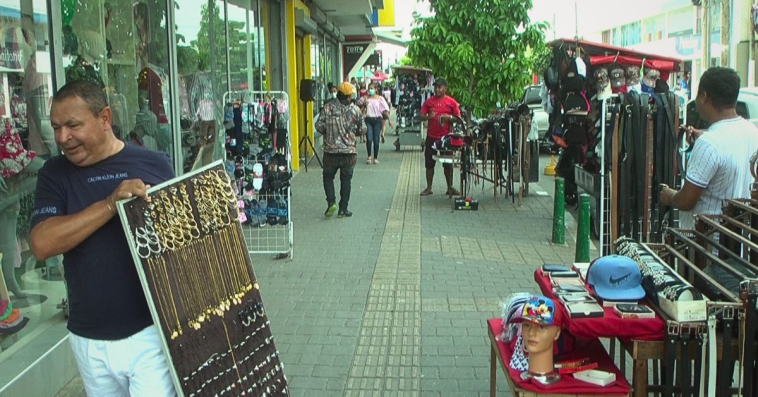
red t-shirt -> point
(444, 105)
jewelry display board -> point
(192, 260)
(259, 160)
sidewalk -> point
(393, 301)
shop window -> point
(247, 49)
(34, 288)
(202, 67)
(631, 34)
(123, 47)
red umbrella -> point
(379, 76)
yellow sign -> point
(387, 15)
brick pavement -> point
(393, 301)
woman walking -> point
(377, 113)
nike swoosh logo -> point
(617, 281)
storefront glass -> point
(202, 68)
(123, 47)
(26, 142)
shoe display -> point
(330, 210)
(344, 214)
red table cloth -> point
(590, 348)
(609, 326)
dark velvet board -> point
(193, 263)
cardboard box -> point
(684, 311)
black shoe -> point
(344, 214)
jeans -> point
(373, 135)
(344, 163)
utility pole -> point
(726, 33)
(705, 8)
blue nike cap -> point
(616, 278)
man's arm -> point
(60, 234)
(683, 200)
(700, 171)
(426, 113)
(321, 123)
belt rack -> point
(687, 343)
(725, 242)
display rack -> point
(263, 192)
(201, 288)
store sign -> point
(689, 45)
(10, 58)
(351, 53)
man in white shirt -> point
(719, 167)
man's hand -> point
(127, 189)
(693, 134)
(667, 194)
(432, 114)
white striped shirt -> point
(720, 163)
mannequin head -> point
(540, 327)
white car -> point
(532, 99)
(747, 107)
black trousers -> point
(344, 163)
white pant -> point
(135, 366)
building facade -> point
(677, 30)
(158, 61)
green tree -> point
(483, 48)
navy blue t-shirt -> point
(105, 295)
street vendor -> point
(438, 111)
(718, 168)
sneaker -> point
(331, 210)
(376, 161)
(344, 214)
(368, 161)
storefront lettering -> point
(9, 58)
(688, 45)
(355, 49)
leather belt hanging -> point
(685, 367)
(724, 381)
(712, 355)
(670, 361)
(751, 316)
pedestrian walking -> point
(377, 115)
(338, 124)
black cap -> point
(440, 82)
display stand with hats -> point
(621, 146)
(259, 162)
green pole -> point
(559, 213)
(583, 230)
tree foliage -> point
(483, 48)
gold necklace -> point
(177, 329)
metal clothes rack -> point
(267, 239)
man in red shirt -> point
(439, 111)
